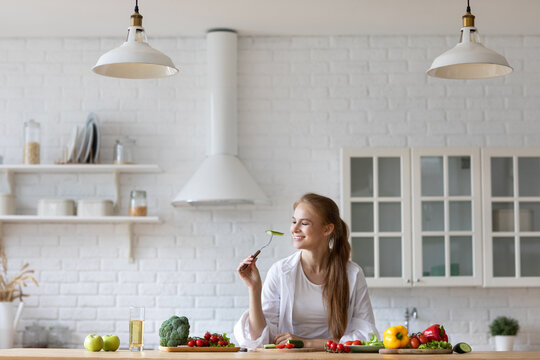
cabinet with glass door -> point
(511, 216)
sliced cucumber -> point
(270, 346)
(296, 343)
(462, 348)
(272, 232)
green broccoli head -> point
(174, 331)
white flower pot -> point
(8, 323)
(504, 342)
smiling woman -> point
(304, 296)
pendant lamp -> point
(135, 59)
(469, 59)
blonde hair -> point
(335, 289)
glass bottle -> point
(123, 150)
(32, 138)
(137, 203)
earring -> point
(331, 244)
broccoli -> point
(174, 332)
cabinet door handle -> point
(408, 281)
(417, 280)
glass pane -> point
(362, 177)
(432, 216)
(433, 256)
(504, 257)
(529, 216)
(389, 177)
(461, 256)
(460, 215)
(529, 173)
(503, 216)
(363, 253)
(459, 175)
(389, 216)
(530, 253)
(432, 175)
(362, 217)
(502, 177)
(390, 256)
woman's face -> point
(307, 228)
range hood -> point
(221, 179)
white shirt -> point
(278, 297)
(309, 316)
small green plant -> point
(504, 326)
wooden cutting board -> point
(415, 351)
(277, 351)
(185, 348)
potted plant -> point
(504, 329)
(11, 289)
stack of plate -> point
(85, 141)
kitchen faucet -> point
(413, 313)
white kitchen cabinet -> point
(447, 230)
(114, 170)
(511, 199)
(376, 206)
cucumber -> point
(462, 348)
(297, 343)
(270, 346)
(272, 232)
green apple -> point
(93, 342)
(111, 342)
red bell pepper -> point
(435, 332)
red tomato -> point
(348, 342)
(220, 343)
(347, 349)
(199, 342)
(356, 342)
(415, 343)
(207, 336)
(191, 343)
(225, 342)
(340, 347)
(213, 339)
(329, 343)
(289, 346)
(423, 338)
(280, 346)
(333, 346)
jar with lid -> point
(32, 139)
(123, 150)
(35, 336)
(58, 336)
(137, 203)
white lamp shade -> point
(135, 60)
(469, 60)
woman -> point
(305, 296)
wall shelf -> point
(81, 168)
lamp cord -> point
(137, 6)
(468, 7)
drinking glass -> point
(136, 328)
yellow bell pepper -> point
(395, 337)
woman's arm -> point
(257, 322)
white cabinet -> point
(511, 216)
(447, 235)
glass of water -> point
(136, 328)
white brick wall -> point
(300, 100)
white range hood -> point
(221, 179)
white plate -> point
(89, 140)
(81, 145)
(71, 144)
(96, 139)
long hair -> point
(336, 285)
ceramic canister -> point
(7, 204)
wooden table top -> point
(75, 354)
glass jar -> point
(35, 336)
(123, 150)
(32, 139)
(59, 336)
(137, 203)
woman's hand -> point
(250, 275)
(284, 337)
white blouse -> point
(278, 298)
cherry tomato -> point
(191, 343)
(199, 342)
(356, 342)
(214, 339)
(289, 346)
(347, 349)
(333, 346)
(348, 342)
(415, 343)
(207, 336)
(329, 343)
(340, 347)
(220, 343)
(206, 343)
(423, 339)
(280, 346)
